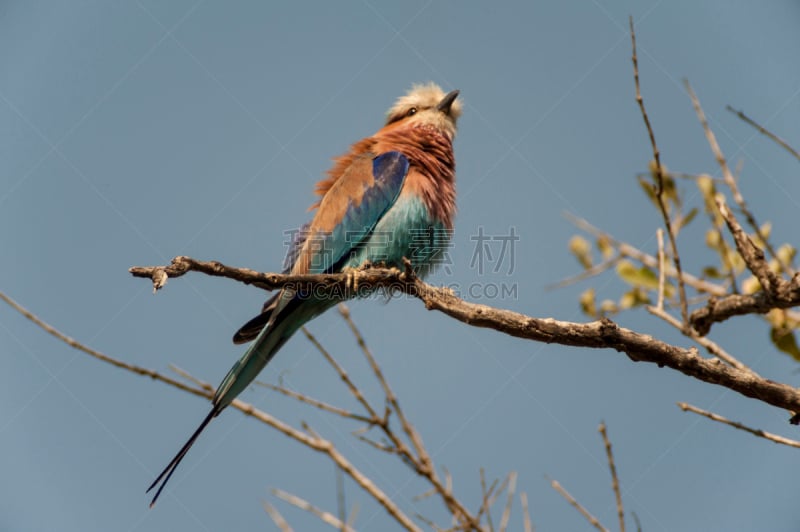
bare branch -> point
(325, 517)
(711, 347)
(276, 517)
(341, 507)
(354, 390)
(512, 486)
(98, 355)
(422, 462)
(764, 131)
(485, 500)
(659, 174)
(626, 250)
(661, 269)
(527, 524)
(200, 384)
(756, 432)
(205, 390)
(596, 334)
(728, 176)
(315, 402)
(718, 310)
(583, 511)
(588, 273)
(410, 431)
(614, 478)
(753, 255)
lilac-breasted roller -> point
(392, 196)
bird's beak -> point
(447, 101)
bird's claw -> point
(351, 278)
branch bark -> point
(599, 334)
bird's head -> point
(426, 106)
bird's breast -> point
(407, 230)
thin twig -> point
(764, 131)
(512, 486)
(603, 333)
(756, 432)
(303, 398)
(204, 390)
(753, 255)
(638, 523)
(341, 507)
(422, 462)
(354, 390)
(351, 519)
(710, 346)
(412, 434)
(98, 355)
(325, 517)
(191, 378)
(575, 504)
(626, 250)
(661, 270)
(728, 176)
(276, 517)
(485, 504)
(527, 524)
(614, 477)
(588, 273)
(659, 174)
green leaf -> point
(712, 272)
(649, 190)
(682, 222)
(644, 277)
(582, 250)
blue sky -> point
(136, 131)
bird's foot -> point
(351, 275)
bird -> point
(390, 198)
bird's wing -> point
(346, 216)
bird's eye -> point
(412, 111)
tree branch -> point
(603, 333)
(764, 131)
(205, 390)
(777, 292)
(659, 175)
(735, 424)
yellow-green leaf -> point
(785, 341)
(706, 185)
(582, 250)
(605, 247)
(713, 239)
(750, 285)
(786, 253)
(712, 272)
(588, 303)
(632, 275)
(683, 221)
(608, 307)
(633, 298)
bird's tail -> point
(284, 324)
(170, 469)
